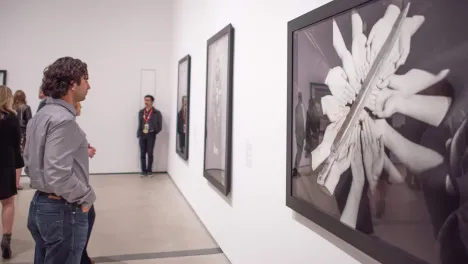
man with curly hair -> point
(56, 160)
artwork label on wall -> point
(3, 77)
(183, 107)
(218, 111)
(377, 130)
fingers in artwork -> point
(357, 139)
(383, 83)
(381, 146)
(349, 95)
(363, 137)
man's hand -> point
(85, 208)
(91, 151)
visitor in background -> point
(24, 114)
(56, 159)
(10, 160)
(42, 97)
(85, 259)
(149, 125)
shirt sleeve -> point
(139, 125)
(61, 143)
(160, 122)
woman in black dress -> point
(10, 160)
(24, 114)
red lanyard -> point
(146, 116)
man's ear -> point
(72, 85)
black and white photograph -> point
(218, 116)
(377, 126)
(3, 76)
(183, 110)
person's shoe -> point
(150, 174)
(143, 174)
(5, 246)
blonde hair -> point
(6, 100)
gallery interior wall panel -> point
(253, 225)
(115, 51)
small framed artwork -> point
(218, 110)
(183, 107)
(3, 77)
(377, 126)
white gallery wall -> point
(126, 45)
(252, 225)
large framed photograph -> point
(377, 126)
(183, 107)
(3, 77)
(218, 115)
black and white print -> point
(218, 107)
(394, 168)
(3, 75)
(183, 116)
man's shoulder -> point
(53, 115)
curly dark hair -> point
(61, 75)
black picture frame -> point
(183, 151)
(220, 175)
(373, 247)
(3, 75)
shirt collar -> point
(62, 103)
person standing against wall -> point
(10, 160)
(149, 125)
(56, 159)
(42, 97)
(24, 114)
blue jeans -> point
(59, 229)
(85, 259)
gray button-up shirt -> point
(56, 153)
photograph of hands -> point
(379, 97)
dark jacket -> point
(10, 154)
(24, 114)
(41, 104)
(155, 122)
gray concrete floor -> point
(138, 220)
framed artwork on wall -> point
(218, 111)
(3, 77)
(183, 107)
(377, 126)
